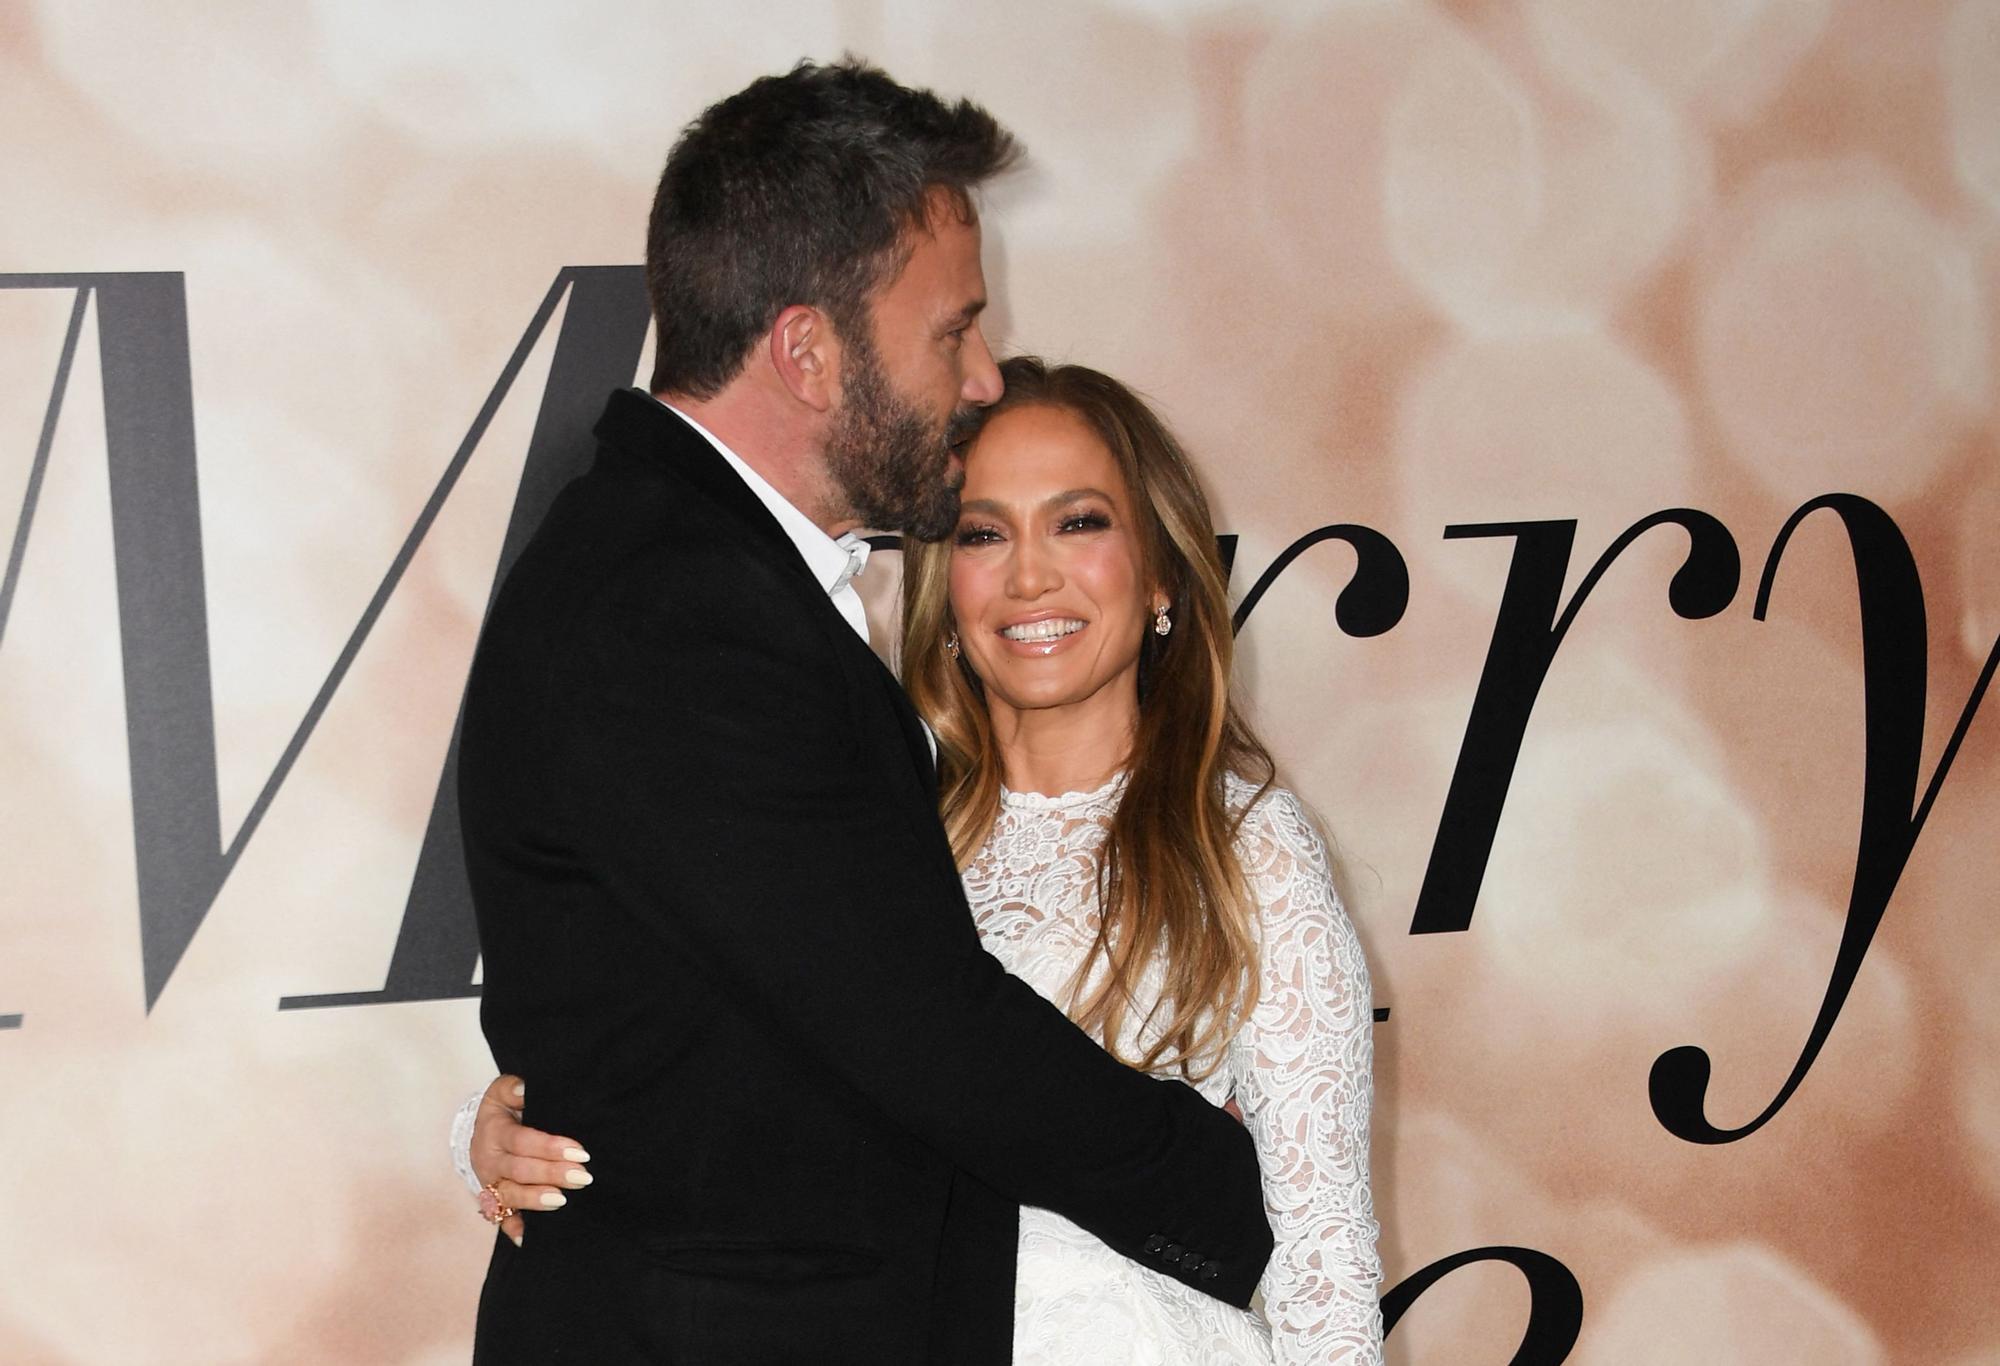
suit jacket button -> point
(1192, 1262)
(1173, 1252)
(1155, 1243)
(1212, 1271)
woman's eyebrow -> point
(993, 507)
(1074, 496)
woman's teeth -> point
(1053, 629)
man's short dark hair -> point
(799, 189)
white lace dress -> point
(1300, 1070)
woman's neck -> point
(1074, 748)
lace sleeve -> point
(461, 1140)
(1303, 1072)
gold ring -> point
(491, 1207)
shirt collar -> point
(833, 561)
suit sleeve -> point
(729, 801)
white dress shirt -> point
(834, 561)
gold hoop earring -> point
(1161, 623)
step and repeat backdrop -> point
(1599, 400)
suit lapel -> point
(645, 435)
(915, 737)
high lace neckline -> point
(1066, 801)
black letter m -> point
(182, 857)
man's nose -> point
(983, 385)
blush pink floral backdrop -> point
(1404, 265)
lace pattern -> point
(1300, 1068)
(462, 1121)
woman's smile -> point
(1044, 635)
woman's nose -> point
(1033, 572)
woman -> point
(1124, 852)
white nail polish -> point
(553, 1200)
(575, 1155)
(577, 1177)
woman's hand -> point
(529, 1169)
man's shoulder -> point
(606, 530)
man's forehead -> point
(948, 204)
(942, 270)
(950, 219)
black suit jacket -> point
(725, 941)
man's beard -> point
(891, 462)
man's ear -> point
(805, 355)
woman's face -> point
(1048, 584)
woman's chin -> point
(1038, 694)
(1021, 690)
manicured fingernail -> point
(576, 1176)
(575, 1155)
(516, 1237)
(553, 1200)
(520, 1090)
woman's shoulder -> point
(1268, 814)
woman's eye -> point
(1085, 521)
(975, 535)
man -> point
(722, 930)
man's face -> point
(907, 390)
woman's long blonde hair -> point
(1169, 880)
